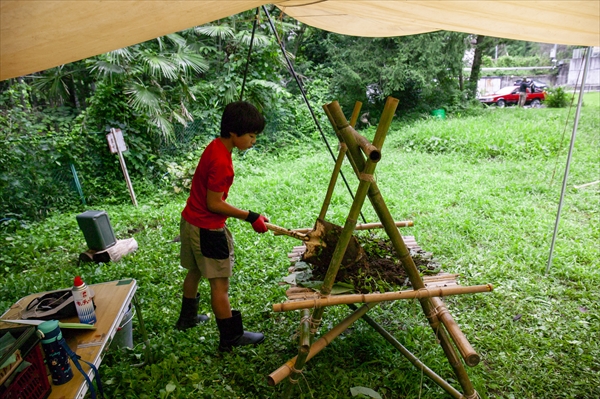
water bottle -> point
(56, 355)
(83, 297)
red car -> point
(510, 95)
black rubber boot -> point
(189, 316)
(233, 334)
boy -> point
(206, 243)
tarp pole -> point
(564, 184)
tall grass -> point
(483, 193)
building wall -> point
(576, 65)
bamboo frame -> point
(385, 217)
(324, 301)
(353, 146)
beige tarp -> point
(36, 35)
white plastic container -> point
(83, 297)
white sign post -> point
(116, 143)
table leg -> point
(147, 353)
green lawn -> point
(483, 193)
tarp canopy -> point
(37, 35)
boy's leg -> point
(219, 297)
(229, 321)
(189, 316)
(190, 283)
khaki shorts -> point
(209, 251)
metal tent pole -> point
(564, 184)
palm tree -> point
(157, 76)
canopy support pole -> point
(564, 183)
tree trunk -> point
(22, 96)
(476, 67)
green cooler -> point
(96, 229)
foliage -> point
(414, 69)
(488, 219)
(557, 97)
(34, 159)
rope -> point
(312, 113)
(75, 358)
(295, 372)
(249, 53)
(366, 177)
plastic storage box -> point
(96, 229)
(32, 382)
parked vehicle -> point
(510, 95)
(539, 86)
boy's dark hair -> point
(241, 117)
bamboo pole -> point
(369, 149)
(332, 300)
(465, 349)
(365, 179)
(355, 113)
(411, 358)
(359, 227)
(284, 371)
(403, 253)
(303, 350)
(334, 175)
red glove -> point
(257, 221)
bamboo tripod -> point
(363, 156)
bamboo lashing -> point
(465, 349)
(284, 371)
(332, 300)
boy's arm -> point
(215, 203)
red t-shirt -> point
(215, 173)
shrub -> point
(557, 98)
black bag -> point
(51, 306)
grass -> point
(483, 193)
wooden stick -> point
(588, 184)
(282, 372)
(287, 232)
(386, 296)
(464, 347)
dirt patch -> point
(380, 270)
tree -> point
(421, 70)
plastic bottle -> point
(56, 355)
(84, 303)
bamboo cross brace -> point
(359, 227)
(332, 300)
(286, 369)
